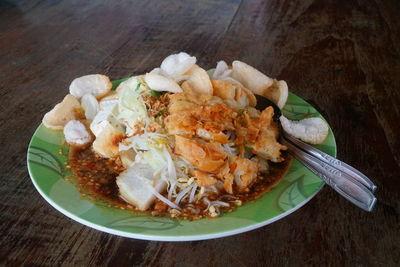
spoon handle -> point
(341, 182)
(340, 165)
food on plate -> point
(310, 130)
(259, 83)
(96, 84)
(76, 134)
(178, 141)
(62, 113)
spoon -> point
(344, 179)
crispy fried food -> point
(310, 130)
(277, 93)
(204, 179)
(190, 118)
(90, 105)
(260, 133)
(175, 65)
(77, 135)
(199, 81)
(68, 109)
(226, 176)
(222, 71)
(250, 77)
(206, 157)
(161, 83)
(235, 95)
(244, 172)
(106, 143)
(259, 83)
(95, 84)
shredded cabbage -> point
(131, 108)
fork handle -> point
(342, 183)
(340, 165)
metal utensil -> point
(344, 179)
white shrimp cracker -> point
(76, 134)
(160, 83)
(177, 64)
(311, 130)
(90, 105)
(68, 109)
(96, 84)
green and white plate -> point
(47, 168)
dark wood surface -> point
(341, 55)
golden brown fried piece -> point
(260, 133)
(106, 143)
(190, 117)
(204, 179)
(226, 176)
(62, 113)
(208, 157)
(199, 81)
(244, 172)
(234, 94)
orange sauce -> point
(96, 176)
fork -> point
(344, 179)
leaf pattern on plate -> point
(296, 111)
(292, 195)
(143, 223)
(45, 159)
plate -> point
(47, 168)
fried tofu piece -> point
(127, 157)
(137, 183)
(107, 142)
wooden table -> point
(342, 56)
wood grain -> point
(342, 56)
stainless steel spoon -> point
(344, 179)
